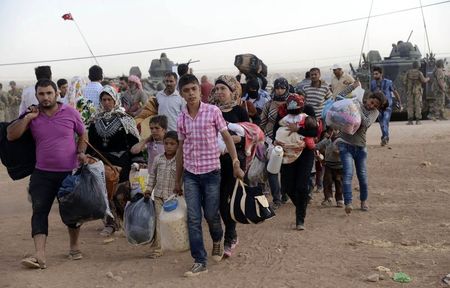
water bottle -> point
(173, 225)
(275, 160)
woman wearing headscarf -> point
(226, 95)
(113, 133)
(295, 175)
(268, 120)
(134, 98)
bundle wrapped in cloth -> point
(345, 116)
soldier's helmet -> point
(440, 63)
(416, 64)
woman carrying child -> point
(295, 175)
(226, 96)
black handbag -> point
(248, 205)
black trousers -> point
(44, 186)
(294, 180)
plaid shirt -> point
(162, 176)
(200, 149)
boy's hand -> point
(178, 190)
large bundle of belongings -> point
(18, 156)
(251, 66)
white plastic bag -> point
(345, 116)
(256, 172)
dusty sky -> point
(34, 30)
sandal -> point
(33, 263)
(155, 254)
(75, 255)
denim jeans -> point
(384, 118)
(202, 191)
(349, 154)
(275, 188)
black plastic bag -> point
(82, 197)
(139, 220)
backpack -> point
(248, 205)
(19, 156)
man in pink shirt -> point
(198, 162)
(53, 126)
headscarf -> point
(283, 83)
(107, 123)
(235, 88)
(135, 79)
(293, 102)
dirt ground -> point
(407, 229)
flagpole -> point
(85, 41)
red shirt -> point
(206, 89)
(200, 149)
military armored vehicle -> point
(400, 60)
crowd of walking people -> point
(187, 121)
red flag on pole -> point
(67, 16)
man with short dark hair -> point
(123, 84)
(169, 101)
(63, 87)
(379, 83)
(57, 154)
(316, 92)
(29, 93)
(92, 90)
(183, 69)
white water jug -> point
(275, 160)
(173, 225)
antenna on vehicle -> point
(410, 35)
(365, 32)
(425, 26)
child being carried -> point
(293, 143)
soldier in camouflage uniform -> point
(3, 104)
(413, 83)
(439, 89)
